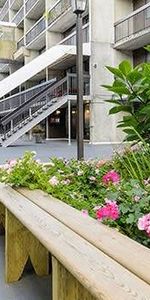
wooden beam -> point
(65, 286)
(2, 218)
(116, 245)
(20, 244)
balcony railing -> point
(11, 2)
(4, 10)
(38, 28)
(138, 21)
(57, 10)
(29, 4)
(71, 39)
(20, 43)
(19, 16)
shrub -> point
(131, 95)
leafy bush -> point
(131, 88)
(102, 189)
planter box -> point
(90, 261)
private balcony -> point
(16, 4)
(4, 11)
(35, 37)
(60, 16)
(20, 43)
(34, 8)
(133, 31)
(71, 39)
(19, 17)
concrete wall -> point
(102, 16)
(7, 48)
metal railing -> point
(71, 39)
(138, 21)
(29, 4)
(19, 16)
(39, 102)
(20, 43)
(16, 100)
(11, 2)
(4, 10)
(57, 10)
(38, 28)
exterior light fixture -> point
(79, 7)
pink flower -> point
(54, 181)
(144, 224)
(108, 211)
(12, 163)
(66, 181)
(84, 212)
(111, 176)
(136, 198)
(101, 163)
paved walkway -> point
(30, 287)
(58, 149)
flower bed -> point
(115, 192)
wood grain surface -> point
(103, 277)
(127, 252)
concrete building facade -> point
(42, 47)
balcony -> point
(34, 9)
(133, 31)
(71, 39)
(18, 18)
(60, 16)
(20, 43)
(4, 11)
(16, 4)
(37, 31)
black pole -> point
(80, 146)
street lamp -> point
(79, 7)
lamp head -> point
(79, 6)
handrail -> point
(36, 29)
(132, 24)
(71, 36)
(4, 10)
(26, 91)
(19, 15)
(57, 10)
(30, 102)
(132, 14)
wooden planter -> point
(89, 260)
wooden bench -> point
(89, 261)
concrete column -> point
(102, 18)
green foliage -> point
(131, 95)
(134, 162)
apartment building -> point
(38, 64)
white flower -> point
(97, 171)
(51, 164)
(80, 173)
(34, 153)
(66, 182)
(54, 181)
(92, 178)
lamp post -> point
(79, 7)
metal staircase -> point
(37, 108)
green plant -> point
(134, 162)
(131, 95)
